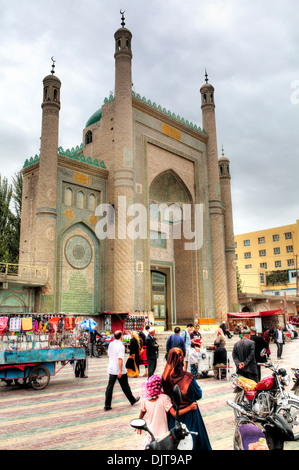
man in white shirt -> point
(117, 371)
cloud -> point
(248, 48)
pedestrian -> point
(174, 374)
(266, 337)
(142, 355)
(175, 341)
(193, 359)
(185, 334)
(157, 404)
(117, 371)
(134, 351)
(220, 359)
(279, 340)
(220, 338)
(152, 350)
(92, 342)
(244, 356)
(225, 330)
(146, 329)
(260, 345)
(195, 336)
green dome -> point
(96, 117)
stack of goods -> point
(134, 322)
(37, 331)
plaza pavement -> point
(68, 414)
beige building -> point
(267, 260)
(134, 152)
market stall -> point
(31, 345)
(261, 319)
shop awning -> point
(264, 313)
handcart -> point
(205, 361)
(35, 366)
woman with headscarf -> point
(134, 350)
(156, 404)
(220, 337)
(173, 374)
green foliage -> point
(10, 221)
(277, 277)
(239, 282)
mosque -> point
(135, 154)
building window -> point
(92, 202)
(248, 266)
(290, 249)
(246, 242)
(290, 262)
(262, 278)
(277, 251)
(80, 200)
(247, 255)
(263, 265)
(68, 197)
(261, 240)
(277, 264)
(262, 252)
(288, 235)
(88, 137)
(276, 238)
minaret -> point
(46, 197)
(215, 205)
(124, 264)
(225, 185)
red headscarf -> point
(175, 374)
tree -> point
(9, 221)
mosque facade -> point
(113, 221)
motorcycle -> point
(100, 347)
(270, 433)
(268, 397)
(295, 388)
(178, 438)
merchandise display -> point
(39, 331)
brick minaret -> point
(225, 184)
(215, 205)
(46, 197)
(124, 265)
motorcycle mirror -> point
(138, 423)
(263, 352)
(177, 397)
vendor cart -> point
(35, 366)
(205, 361)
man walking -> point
(176, 341)
(117, 371)
(279, 340)
(152, 349)
(244, 356)
(186, 337)
(260, 344)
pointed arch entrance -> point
(174, 291)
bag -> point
(131, 367)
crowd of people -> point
(181, 368)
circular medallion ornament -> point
(78, 252)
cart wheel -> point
(39, 377)
(205, 373)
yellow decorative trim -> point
(93, 219)
(69, 214)
(82, 179)
(171, 132)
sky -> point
(250, 51)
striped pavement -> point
(68, 414)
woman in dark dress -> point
(134, 348)
(173, 374)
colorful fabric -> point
(27, 324)
(152, 388)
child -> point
(193, 359)
(157, 404)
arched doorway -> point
(159, 297)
